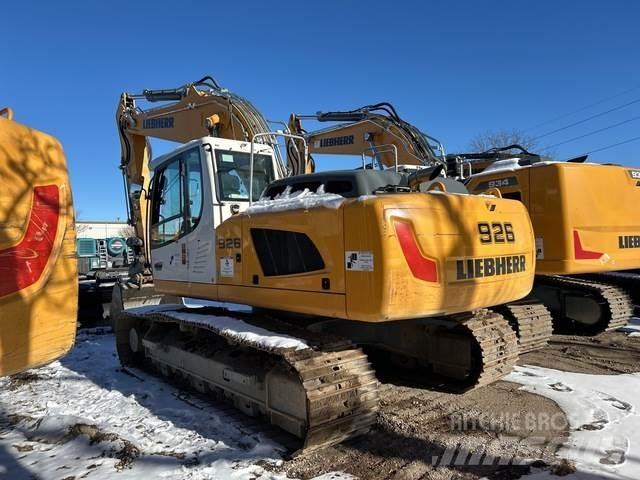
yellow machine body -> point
(374, 258)
(38, 272)
(585, 216)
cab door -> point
(168, 222)
(201, 230)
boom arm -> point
(374, 130)
(195, 110)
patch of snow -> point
(200, 303)
(510, 165)
(632, 328)
(228, 326)
(159, 308)
(335, 476)
(300, 200)
(604, 416)
(171, 437)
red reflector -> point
(581, 253)
(421, 266)
(23, 264)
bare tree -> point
(127, 231)
(81, 228)
(503, 138)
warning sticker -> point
(356, 261)
(227, 266)
(539, 248)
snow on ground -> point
(228, 326)
(604, 416)
(632, 328)
(84, 417)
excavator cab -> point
(193, 190)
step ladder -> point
(102, 253)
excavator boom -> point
(199, 109)
(371, 131)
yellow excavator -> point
(587, 228)
(383, 140)
(38, 276)
(376, 252)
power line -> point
(582, 109)
(619, 107)
(592, 133)
(634, 139)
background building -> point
(100, 229)
(102, 244)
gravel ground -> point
(416, 427)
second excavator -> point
(365, 250)
(587, 228)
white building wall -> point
(98, 230)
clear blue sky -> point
(454, 69)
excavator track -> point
(627, 280)
(576, 300)
(323, 393)
(497, 342)
(531, 321)
(456, 353)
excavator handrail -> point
(492, 191)
(438, 185)
(381, 149)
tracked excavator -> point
(221, 218)
(587, 228)
(383, 140)
(38, 272)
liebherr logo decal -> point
(470, 268)
(629, 241)
(162, 122)
(334, 141)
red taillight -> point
(421, 267)
(22, 265)
(581, 253)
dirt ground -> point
(419, 432)
(608, 353)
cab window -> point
(194, 187)
(233, 175)
(176, 205)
